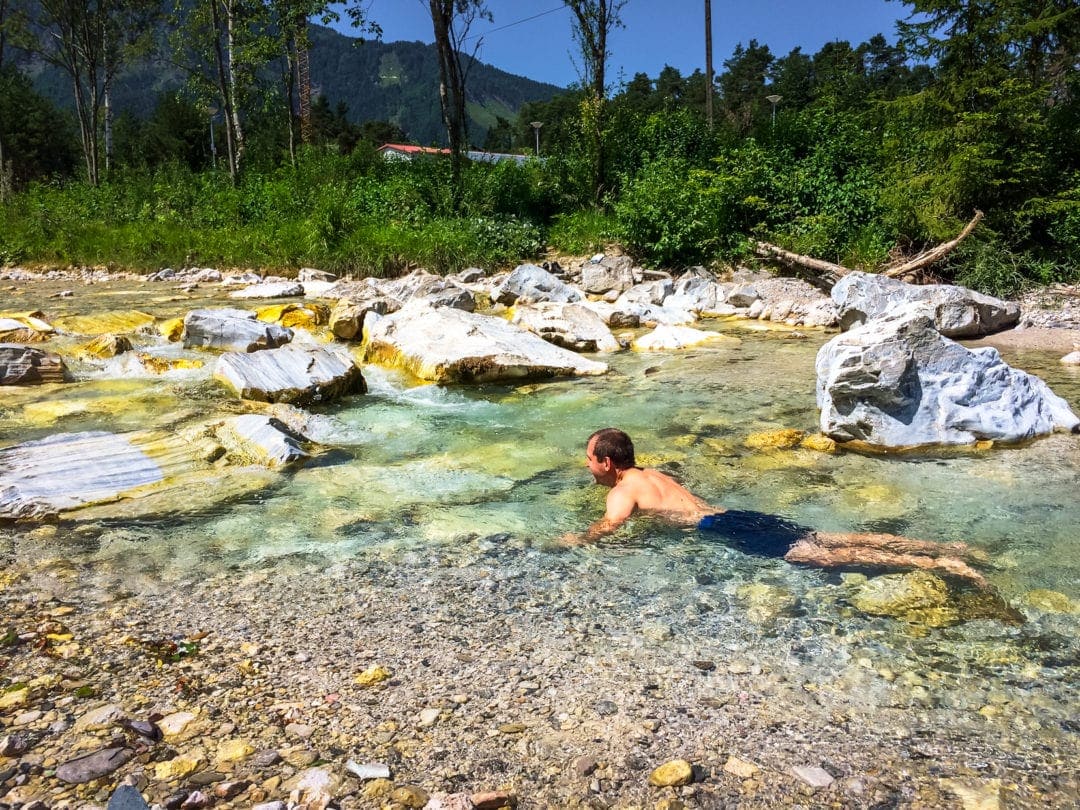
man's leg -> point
(809, 552)
(897, 543)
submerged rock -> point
(448, 346)
(956, 311)
(918, 597)
(897, 382)
(293, 374)
(118, 322)
(25, 365)
(231, 329)
(105, 346)
(93, 766)
(679, 337)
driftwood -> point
(826, 274)
(931, 256)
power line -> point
(516, 22)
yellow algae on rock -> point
(177, 768)
(781, 439)
(671, 774)
(234, 751)
(819, 443)
(120, 322)
(917, 597)
(1050, 601)
(160, 365)
(293, 315)
(34, 321)
(372, 676)
(104, 346)
(16, 697)
(172, 329)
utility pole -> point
(708, 63)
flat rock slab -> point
(26, 365)
(277, 289)
(666, 338)
(118, 322)
(452, 346)
(897, 382)
(293, 374)
(235, 330)
(98, 474)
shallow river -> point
(497, 473)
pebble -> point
(368, 770)
(740, 768)
(813, 776)
(673, 773)
(429, 717)
(410, 796)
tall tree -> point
(451, 21)
(743, 85)
(594, 20)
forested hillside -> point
(859, 154)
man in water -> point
(609, 455)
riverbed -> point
(422, 539)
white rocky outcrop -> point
(449, 346)
(897, 382)
(293, 374)
(231, 329)
(572, 326)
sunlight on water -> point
(492, 475)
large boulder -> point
(449, 345)
(572, 326)
(99, 475)
(25, 365)
(897, 382)
(293, 374)
(533, 283)
(609, 273)
(696, 294)
(957, 311)
(233, 330)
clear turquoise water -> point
(497, 473)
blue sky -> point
(657, 32)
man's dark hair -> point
(616, 445)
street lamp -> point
(212, 110)
(773, 99)
(536, 127)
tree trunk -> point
(234, 111)
(451, 91)
(938, 253)
(219, 59)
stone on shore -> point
(451, 346)
(293, 374)
(273, 289)
(897, 382)
(26, 365)
(235, 330)
(610, 273)
(571, 326)
(672, 774)
(534, 283)
(665, 338)
(956, 311)
(812, 775)
(93, 766)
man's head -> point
(607, 453)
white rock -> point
(812, 775)
(678, 337)
(1071, 359)
(294, 374)
(277, 289)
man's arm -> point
(620, 506)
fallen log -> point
(825, 274)
(931, 256)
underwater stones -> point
(897, 382)
(819, 444)
(534, 283)
(105, 346)
(118, 322)
(231, 329)
(765, 603)
(666, 337)
(134, 363)
(292, 374)
(273, 289)
(781, 439)
(1048, 601)
(571, 326)
(451, 346)
(917, 597)
(956, 311)
(26, 365)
